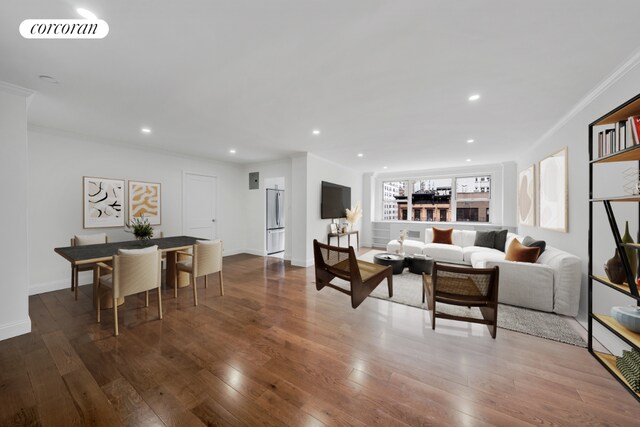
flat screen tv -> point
(336, 199)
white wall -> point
(14, 230)
(57, 163)
(297, 221)
(256, 204)
(573, 133)
(318, 170)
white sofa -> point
(551, 284)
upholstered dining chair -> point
(82, 240)
(204, 259)
(463, 286)
(133, 271)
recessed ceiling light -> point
(49, 79)
(86, 14)
(470, 141)
(145, 130)
(360, 155)
(474, 97)
(232, 151)
(316, 132)
(384, 167)
(468, 160)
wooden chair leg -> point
(206, 281)
(146, 298)
(115, 316)
(195, 289)
(175, 285)
(98, 292)
(390, 285)
(159, 302)
(73, 274)
(221, 283)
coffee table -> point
(394, 260)
(419, 265)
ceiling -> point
(389, 79)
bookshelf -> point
(629, 288)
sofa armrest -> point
(524, 284)
(567, 273)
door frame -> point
(184, 192)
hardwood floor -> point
(274, 351)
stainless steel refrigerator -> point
(275, 221)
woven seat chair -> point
(363, 277)
(83, 240)
(463, 286)
(133, 271)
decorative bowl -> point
(629, 317)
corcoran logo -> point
(64, 29)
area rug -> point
(407, 290)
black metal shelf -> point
(630, 288)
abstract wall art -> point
(103, 202)
(527, 197)
(144, 199)
(554, 192)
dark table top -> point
(104, 251)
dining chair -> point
(463, 286)
(205, 258)
(83, 240)
(133, 271)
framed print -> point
(554, 192)
(145, 199)
(527, 197)
(103, 201)
(334, 227)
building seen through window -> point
(433, 199)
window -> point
(393, 199)
(433, 199)
(473, 197)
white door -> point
(199, 206)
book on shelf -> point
(625, 134)
(634, 122)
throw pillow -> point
(444, 236)
(501, 240)
(485, 239)
(532, 243)
(518, 252)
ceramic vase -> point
(631, 252)
(615, 269)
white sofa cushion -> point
(411, 247)
(467, 237)
(523, 284)
(567, 277)
(443, 252)
(480, 257)
(468, 251)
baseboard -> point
(255, 252)
(302, 262)
(42, 288)
(13, 329)
(232, 252)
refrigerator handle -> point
(278, 209)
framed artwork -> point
(527, 197)
(554, 192)
(144, 199)
(334, 228)
(103, 202)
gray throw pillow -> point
(501, 240)
(485, 239)
(532, 243)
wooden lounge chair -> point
(332, 262)
(464, 286)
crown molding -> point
(616, 75)
(16, 90)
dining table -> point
(104, 252)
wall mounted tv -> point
(336, 199)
